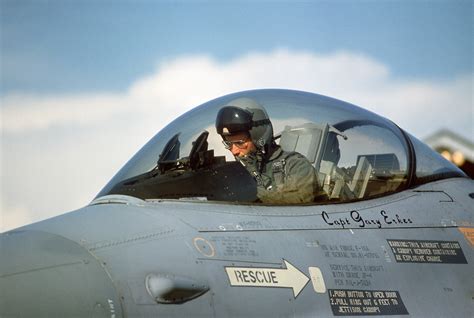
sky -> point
(84, 84)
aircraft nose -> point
(46, 275)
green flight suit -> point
(285, 178)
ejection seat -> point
(319, 144)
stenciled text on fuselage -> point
(355, 219)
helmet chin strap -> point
(260, 145)
(268, 149)
(264, 153)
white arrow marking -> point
(289, 277)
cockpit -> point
(356, 154)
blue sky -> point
(75, 46)
(84, 84)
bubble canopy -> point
(356, 154)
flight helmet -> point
(246, 115)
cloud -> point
(180, 84)
(59, 150)
(26, 113)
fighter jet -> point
(180, 231)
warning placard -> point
(417, 251)
(347, 302)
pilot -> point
(282, 177)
